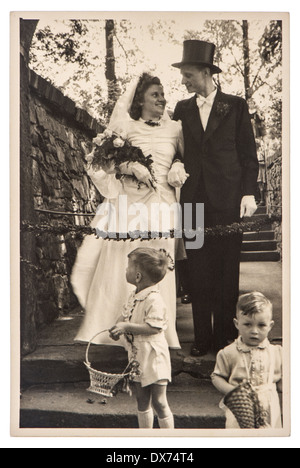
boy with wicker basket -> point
(249, 371)
(145, 317)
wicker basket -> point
(103, 383)
(243, 402)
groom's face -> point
(194, 79)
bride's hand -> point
(139, 171)
(143, 175)
(177, 175)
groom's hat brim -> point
(214, 68)
(198, 53)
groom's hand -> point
(248, 206)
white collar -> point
(142, 295)
(241, 346)
(210, 98)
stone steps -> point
(63, 364)
(194, 403)
(55, 380)
(260, 256)
(260, 246)
(259, 235)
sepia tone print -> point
(134, 127)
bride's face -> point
(154, 103)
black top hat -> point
(198, 53)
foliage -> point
(71, 54)
(270, 45)
(63, 45)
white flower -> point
(99, 139)
(108, 132)
(118, 143)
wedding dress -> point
(99, 273)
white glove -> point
(248, 206)
(139, 171)
(177, 175)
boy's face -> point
(132, 273)
(254, 329)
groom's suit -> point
(222, 163)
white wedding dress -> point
(99, 273)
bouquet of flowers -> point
(113, 153)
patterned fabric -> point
(153, 355)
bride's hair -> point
(146, 80)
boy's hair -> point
(154, 263)
(253, 303)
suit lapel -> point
(193, 119)
(219, 110)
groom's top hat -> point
(198, 53)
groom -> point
(220, 156)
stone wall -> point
(60, 184)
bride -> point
(99, 273)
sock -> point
(166, 423)
(145, 419)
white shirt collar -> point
(142, 295)
(208, 99)
(241, 346)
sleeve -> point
(180, 140)
(106, 184)
(222, 367)
(156, 312)
(180, 143)
(176, 115)
(246, 148)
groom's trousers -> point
(214, 272)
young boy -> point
(252, 358)
(145, 317)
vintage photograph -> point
(151, 251)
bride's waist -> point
(161, 178)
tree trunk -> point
(110, 58)
(110, 73)
(246, 55)
(27, 239)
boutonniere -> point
(222, 109)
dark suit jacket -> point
(223, 157)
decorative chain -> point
(216, 231)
